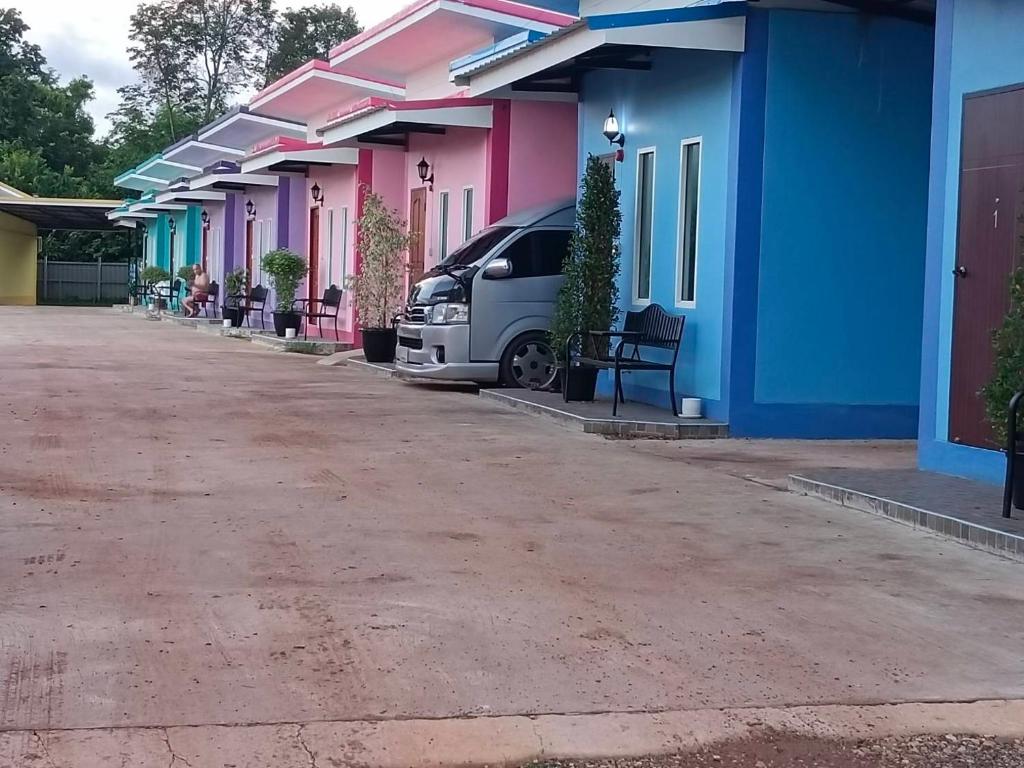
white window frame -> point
(344, 245)
(653, 152)
(467, 212)
(330, 249)
(444, 215)
(699, 141)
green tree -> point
(303, 34)
(1008, 374)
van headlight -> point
(449, 314)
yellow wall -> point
(17, 261)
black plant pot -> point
(235, 315)
(285, 320)
(379, 344)
(579, 385)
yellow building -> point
(21, 218)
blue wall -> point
(840, 262)
(978, 47)
(687, 94)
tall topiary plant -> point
(286, 270)
(1008, 376)
(383, 241)
(588, 299)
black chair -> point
(654, 328)
(318, 309)
(251, 301)
(211, 299)
(171, 294)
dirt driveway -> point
(194, 532)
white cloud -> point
(91, 39)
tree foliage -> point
(286, 270)
(1008, 374)
(303, 34)
(588, 299)
(383, 242)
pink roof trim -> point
(315, 66)
(376, 104)
(519, 10)
(282, 144)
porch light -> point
(423, 168)
(172, 225)
(250, 209)
(612, 132)
(206, 219)
(318, 195)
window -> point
(689, 217)
(644, 225)
(467, 213)
(442, 226)
(344, 246)
(539, 254)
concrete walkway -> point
(200, 537)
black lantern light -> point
(318, 195)
(250, 209)
(172, 225)
(423, 168)
(612, 132)
(206, 219)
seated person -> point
(199, 291)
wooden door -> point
(249, 227)
(417, 233)
(991, 181)
(313, 281)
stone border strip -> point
(500, 740)
(961, 531)
(612, 427)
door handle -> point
(960, 271)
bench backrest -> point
(657, 328)
(259, 294)
(332, 297)
(214, 290)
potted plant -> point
(286, 270)
(151, 277)
(234, 285)
(383, 241)
(588, 299)
(1008, 378)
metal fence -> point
(73, 281)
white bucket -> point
(290, 333)
(226, 324)
(692, 408)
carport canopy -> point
(55, 213)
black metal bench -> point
(320, 309)
(251, 301)
(210, 298)
(654, 328)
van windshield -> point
(476, 247)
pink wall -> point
(338, 186)
(458, 159)
(542, 148)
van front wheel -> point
(529, 362)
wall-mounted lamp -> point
(423, 168)
(250, 209)
(172, 225)
(318, 195)
(615, 135)
(205, 217)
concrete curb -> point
(961, 531)
(505, 740)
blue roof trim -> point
(503, 46)
(726, 10)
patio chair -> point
(318, 309)
(211, 299)
(652, 328)
(251, 301)
(171, 294)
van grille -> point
(405, 341)
(416, 315)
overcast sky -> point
(79, 37)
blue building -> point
(975, 204)
(774, 191)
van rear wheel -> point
(529, 362)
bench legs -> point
(620, 395)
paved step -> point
(320, 347)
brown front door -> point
(313, 281)
(417, 232)
(248, 254)
(991, 181)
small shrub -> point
(383, 241)
(236, 280)
(1008, 375)
(152, 275)
(286, 270)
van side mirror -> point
(498, 269)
